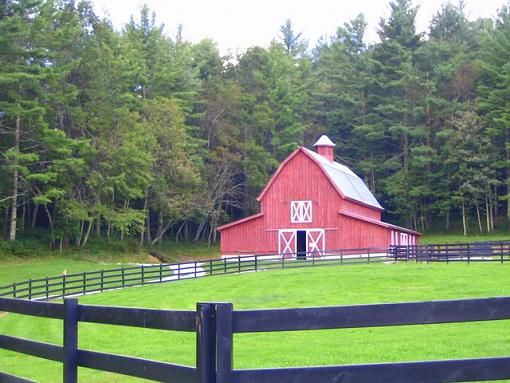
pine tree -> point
(395, 103)
(22, 74)
(494, 92)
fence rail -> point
(466, 252)
(110, 279)
(216, 323)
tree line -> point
(135, 133)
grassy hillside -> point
(290, 288)
(34, 260)
(16, 270)
(459, 238)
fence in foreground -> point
(216, 323)
(110, 279)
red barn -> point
(313, 204)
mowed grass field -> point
(18, 270)
(322, 286)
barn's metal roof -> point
(346, 180)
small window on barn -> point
(300, 211)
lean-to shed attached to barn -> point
(313, 204)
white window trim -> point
(301, 211)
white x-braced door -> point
(287, 242)
(315, 241)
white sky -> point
(239, 24)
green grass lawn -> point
(17, 270)
(37, 262)
(342, 285)
(183, 251)
(427, 239)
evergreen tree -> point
(494, 93)
(290, 39)
(396, 112)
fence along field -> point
(109, 279)
(215, 324)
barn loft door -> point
(287, 243)
(315, 240)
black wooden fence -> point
(70, 312)
(110, 279)
(466, 252)
(216, 323)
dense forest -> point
(138, 134)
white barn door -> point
(287, 243)
(315, 241)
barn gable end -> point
(300, 179)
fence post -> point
(142, 271)
(256, 263)
(84, 283)
(47, 288)
(225, 264)
(160, 272)
(14, 290)
(368, 260)
(63, 285)
(195, 269)
(30, 289)
(224, 342)
(210, 267)
(341, 256)
(206, 343)
(239, 264)
(123, 278)
(102, 281)
(70, 340)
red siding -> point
(247, 237)
(356, 208)
(354, 234)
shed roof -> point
(249, 218)
(380, 223)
